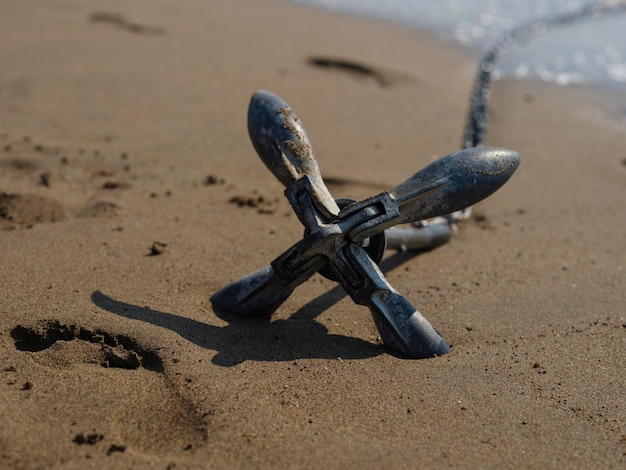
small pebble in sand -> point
(211, 180)
(111, 185)
(157, 248)
(116, 448)
(44, 179)
(89, 439)
(27, 385)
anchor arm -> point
(263, 291)
(400, 325)
(447, 185)
(454, 182)
(283, 145)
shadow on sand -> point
(258, 338)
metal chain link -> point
(477, 119)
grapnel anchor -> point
(344, 241)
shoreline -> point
(555, 56)
(115, 138)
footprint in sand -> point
(118, 21)
(51, 172)
(99, 209)
(25, 210)
(382, 77)
(98, 390)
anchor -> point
(345, 240)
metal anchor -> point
(344, 241)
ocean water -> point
(592, 51)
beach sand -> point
(123, 155)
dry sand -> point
(123, 124)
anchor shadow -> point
(256, 338)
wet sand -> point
(130, 193)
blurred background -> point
(593, 51)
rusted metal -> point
(344, 241)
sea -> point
(592, 51)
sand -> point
(130, 193)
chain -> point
(477, 120)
